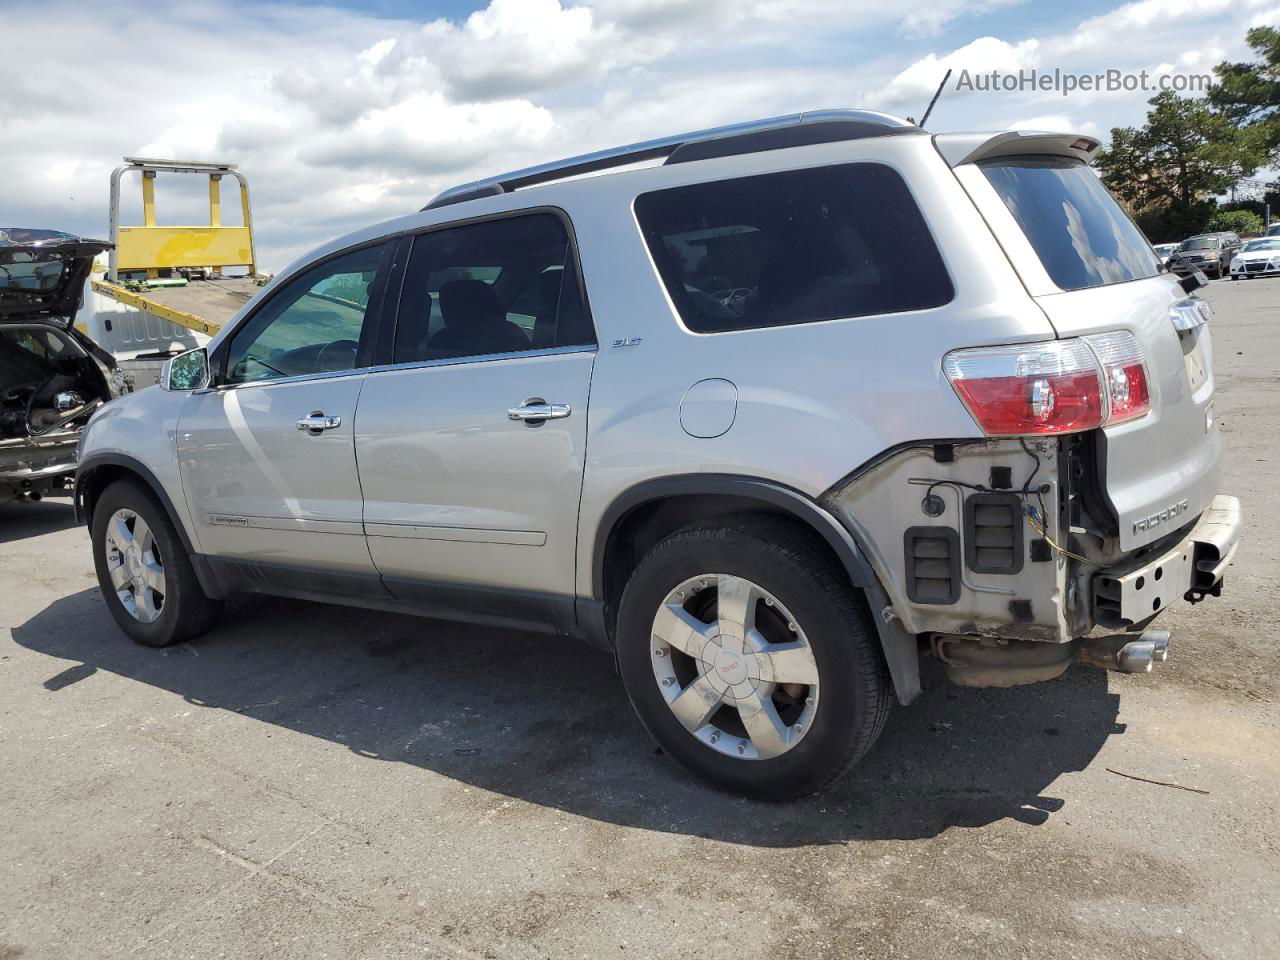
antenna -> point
(935, 98)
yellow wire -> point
(1053, 543)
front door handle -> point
(318, 421)
(534, 412)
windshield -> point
(1200, 243)
(1264, 243)
(26, 271)
(1079, 232)
(1164, 249)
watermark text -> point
(1066, 82)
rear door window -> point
(492, 288)
(1080, 234)
(798, 246)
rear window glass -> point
(1078, 231)
(793, 247)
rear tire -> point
(144, 571)
(786, 710)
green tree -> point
(1184, 154)
(1246, 223)
(1248, 94)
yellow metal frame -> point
(147, 305)
(154, 248)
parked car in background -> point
(1163, 251)
(1257, 258)
(52, 377)
(1210, 253)
(1273, 230)
(691, 412)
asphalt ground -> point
(316, 781)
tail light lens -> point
(1057, 386)
(1124, 373)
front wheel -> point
(750, 659)
(144, 572)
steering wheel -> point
(350, 345)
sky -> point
(343, 114)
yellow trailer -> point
(176, 274)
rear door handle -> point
(535, 411)
(318, 421)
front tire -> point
(144, 572)
(750, 659)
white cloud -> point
(340, 119)
(984, 55)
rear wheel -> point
(750, 659)
(143, 570)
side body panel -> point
(455, 491)
(260, 489)
(814, 400)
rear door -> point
(1091, 270)
(471, 442)
(268, 456)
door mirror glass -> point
(186, 371)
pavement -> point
(314, 781)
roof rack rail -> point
(868, 121)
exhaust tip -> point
(1137, 656)
(1160, 641)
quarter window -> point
(793, 247)
(498, 287)
(312, 325)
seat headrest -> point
(469, 302)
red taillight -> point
(1059, 386)
(1124, 373)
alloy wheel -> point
(135, 565)
(734, 666)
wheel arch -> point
(649, 511)
(97, 472)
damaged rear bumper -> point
(1139, 589)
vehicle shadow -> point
(20, 519)
(545, 720)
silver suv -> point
(773, 413)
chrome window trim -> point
(482, 358)
(299, 378)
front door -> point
(268, 456)
(471, 445)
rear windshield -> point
(793, 247)
(27, 272)
(1079, 232)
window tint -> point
(311, 325)
(793, 247)
(1078, 231)
(503, 286)
(26, 272)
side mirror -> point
(186, 371)
(1192, 282)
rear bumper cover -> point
(1137, 590)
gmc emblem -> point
(1164, 516)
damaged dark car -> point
(52, 377)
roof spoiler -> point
(958, 148)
